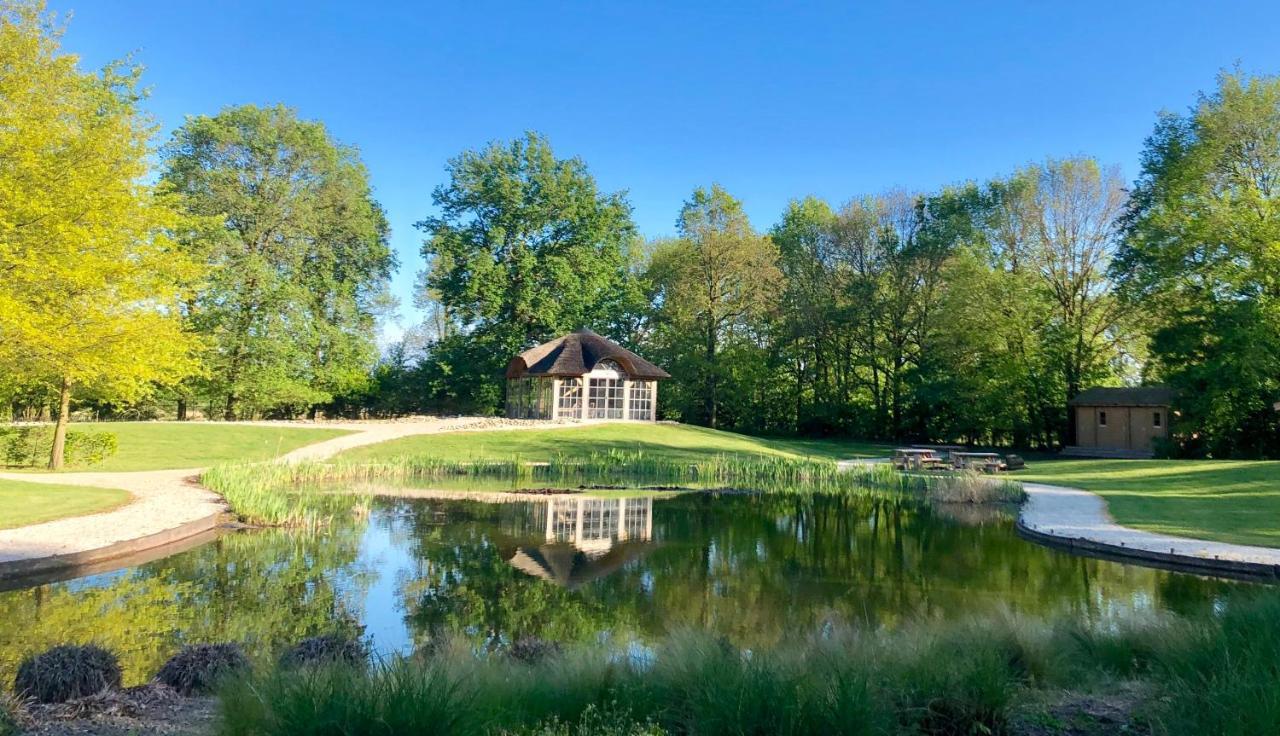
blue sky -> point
(773, 101)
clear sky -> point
(773, 101)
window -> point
(1102, 419)
(571, 397)
(1156, 419)
(641, 400)
(606, 390)
(604, 398)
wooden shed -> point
(582, 376)
(1120, 422)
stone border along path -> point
(170, 505)
(1078, 520)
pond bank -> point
(168, 506)
(1078, 520)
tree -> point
(714, 283)
(90, 277)
(524, 247)
(1201, 256)
(297, 276)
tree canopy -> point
(1201, 258)
(90, 274)
(523, 247)
(296, 275)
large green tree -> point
(523, 246)
(297, 274)
(1201, 257)
(90, 276)
(715, 287)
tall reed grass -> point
(296, 493)
(1214, 674)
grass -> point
(170, 445)
(22, 503)
(1196, 675)
(1234, 501)
(308, 494)
(678, 442)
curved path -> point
(1079, 520)
(170, 505)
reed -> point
(1210, 673)
(303, 494)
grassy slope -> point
(32, 503)
(163, 445)
(676, 441)
(1225, 500)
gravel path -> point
(166, 499)
(1074, 514)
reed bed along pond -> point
(309, 494)
(1000, 674)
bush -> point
(28, 447)
(67, 672)
(611, 721)
(326, 649)
(200, 668)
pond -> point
(585, 568)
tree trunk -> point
(182, 410)
(229, 413)
(56, 456)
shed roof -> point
(575, 354)
(1128, 396)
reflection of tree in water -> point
(754, 568)
(264, 589)
(463, 583)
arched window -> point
(607, 366)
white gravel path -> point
(1074, 514)
(167, 499)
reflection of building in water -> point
(586, 538)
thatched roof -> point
(567, 566)
(1134, 396)
(576, 354)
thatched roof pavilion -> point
(582, 376)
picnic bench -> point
(988, 462)
(916, 458)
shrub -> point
(67, 672)
(325, 649)
(28, 447)
(199, 668)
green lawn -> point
(1224, 500)
(32, 503)
(165, 445)
(676, 441)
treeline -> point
(240, 270)
(969, 314)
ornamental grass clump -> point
(67, 672)
(326, 649)
(200, 668)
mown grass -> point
(22, 504)
(677, 442)
(304, 494)
(1213, 674)
(171, 445)
(1235, 501)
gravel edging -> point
(1078, 521)
(170, 507)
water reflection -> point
(586, 538)
(753, 568)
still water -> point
(753, 568)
